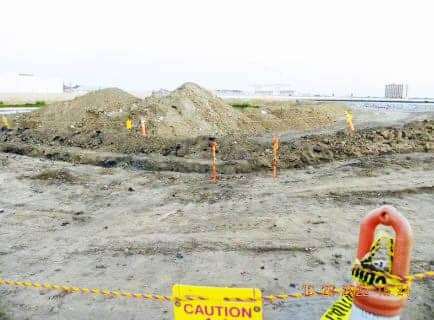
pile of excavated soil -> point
(98, 118)
(416, 136)
(281, 116)
(186, 116)
(192, 111)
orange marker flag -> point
(143, 127)
(214, 175)
(275, 145)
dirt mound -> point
(93, 111)
(98, 118)
(191, 111)
(189, 115)
(87, 121)
(272, 117)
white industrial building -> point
(29, 83)
(279, 89)
(396, 91)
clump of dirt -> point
(56, 176)
(4, 162)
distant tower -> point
(396, 91)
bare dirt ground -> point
(114, 216)
(144, 231)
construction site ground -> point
(104, 215)
(144, 231)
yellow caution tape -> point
(371, 273)
(327, 291)
(367, 272)
(340, 310)
(94, 291)
(153, 297)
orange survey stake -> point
(275, 145)
(214, 176)
(143, 127)
(375, 302)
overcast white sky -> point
(316, 46)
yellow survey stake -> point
(211, 303)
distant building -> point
(274, 90)
(160, 92)
(262, 92)
(71, 88)
(79, 88)
(230, 92)
(396, 91)
(29, 83)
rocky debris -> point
(56, 176)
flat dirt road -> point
(144, 231)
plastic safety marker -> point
(143, 127)
(214, 175)
(5, 122)
(129, 123)
(350, 124)
(275, 145)
(210, 303)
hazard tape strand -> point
(165, 298)
(93, 291)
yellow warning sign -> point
(210, 303)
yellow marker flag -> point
(5, 122)
(350, 124)
(129, 124)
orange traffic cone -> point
(376, 303)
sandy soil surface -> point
(144, 231)
(114, 216)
